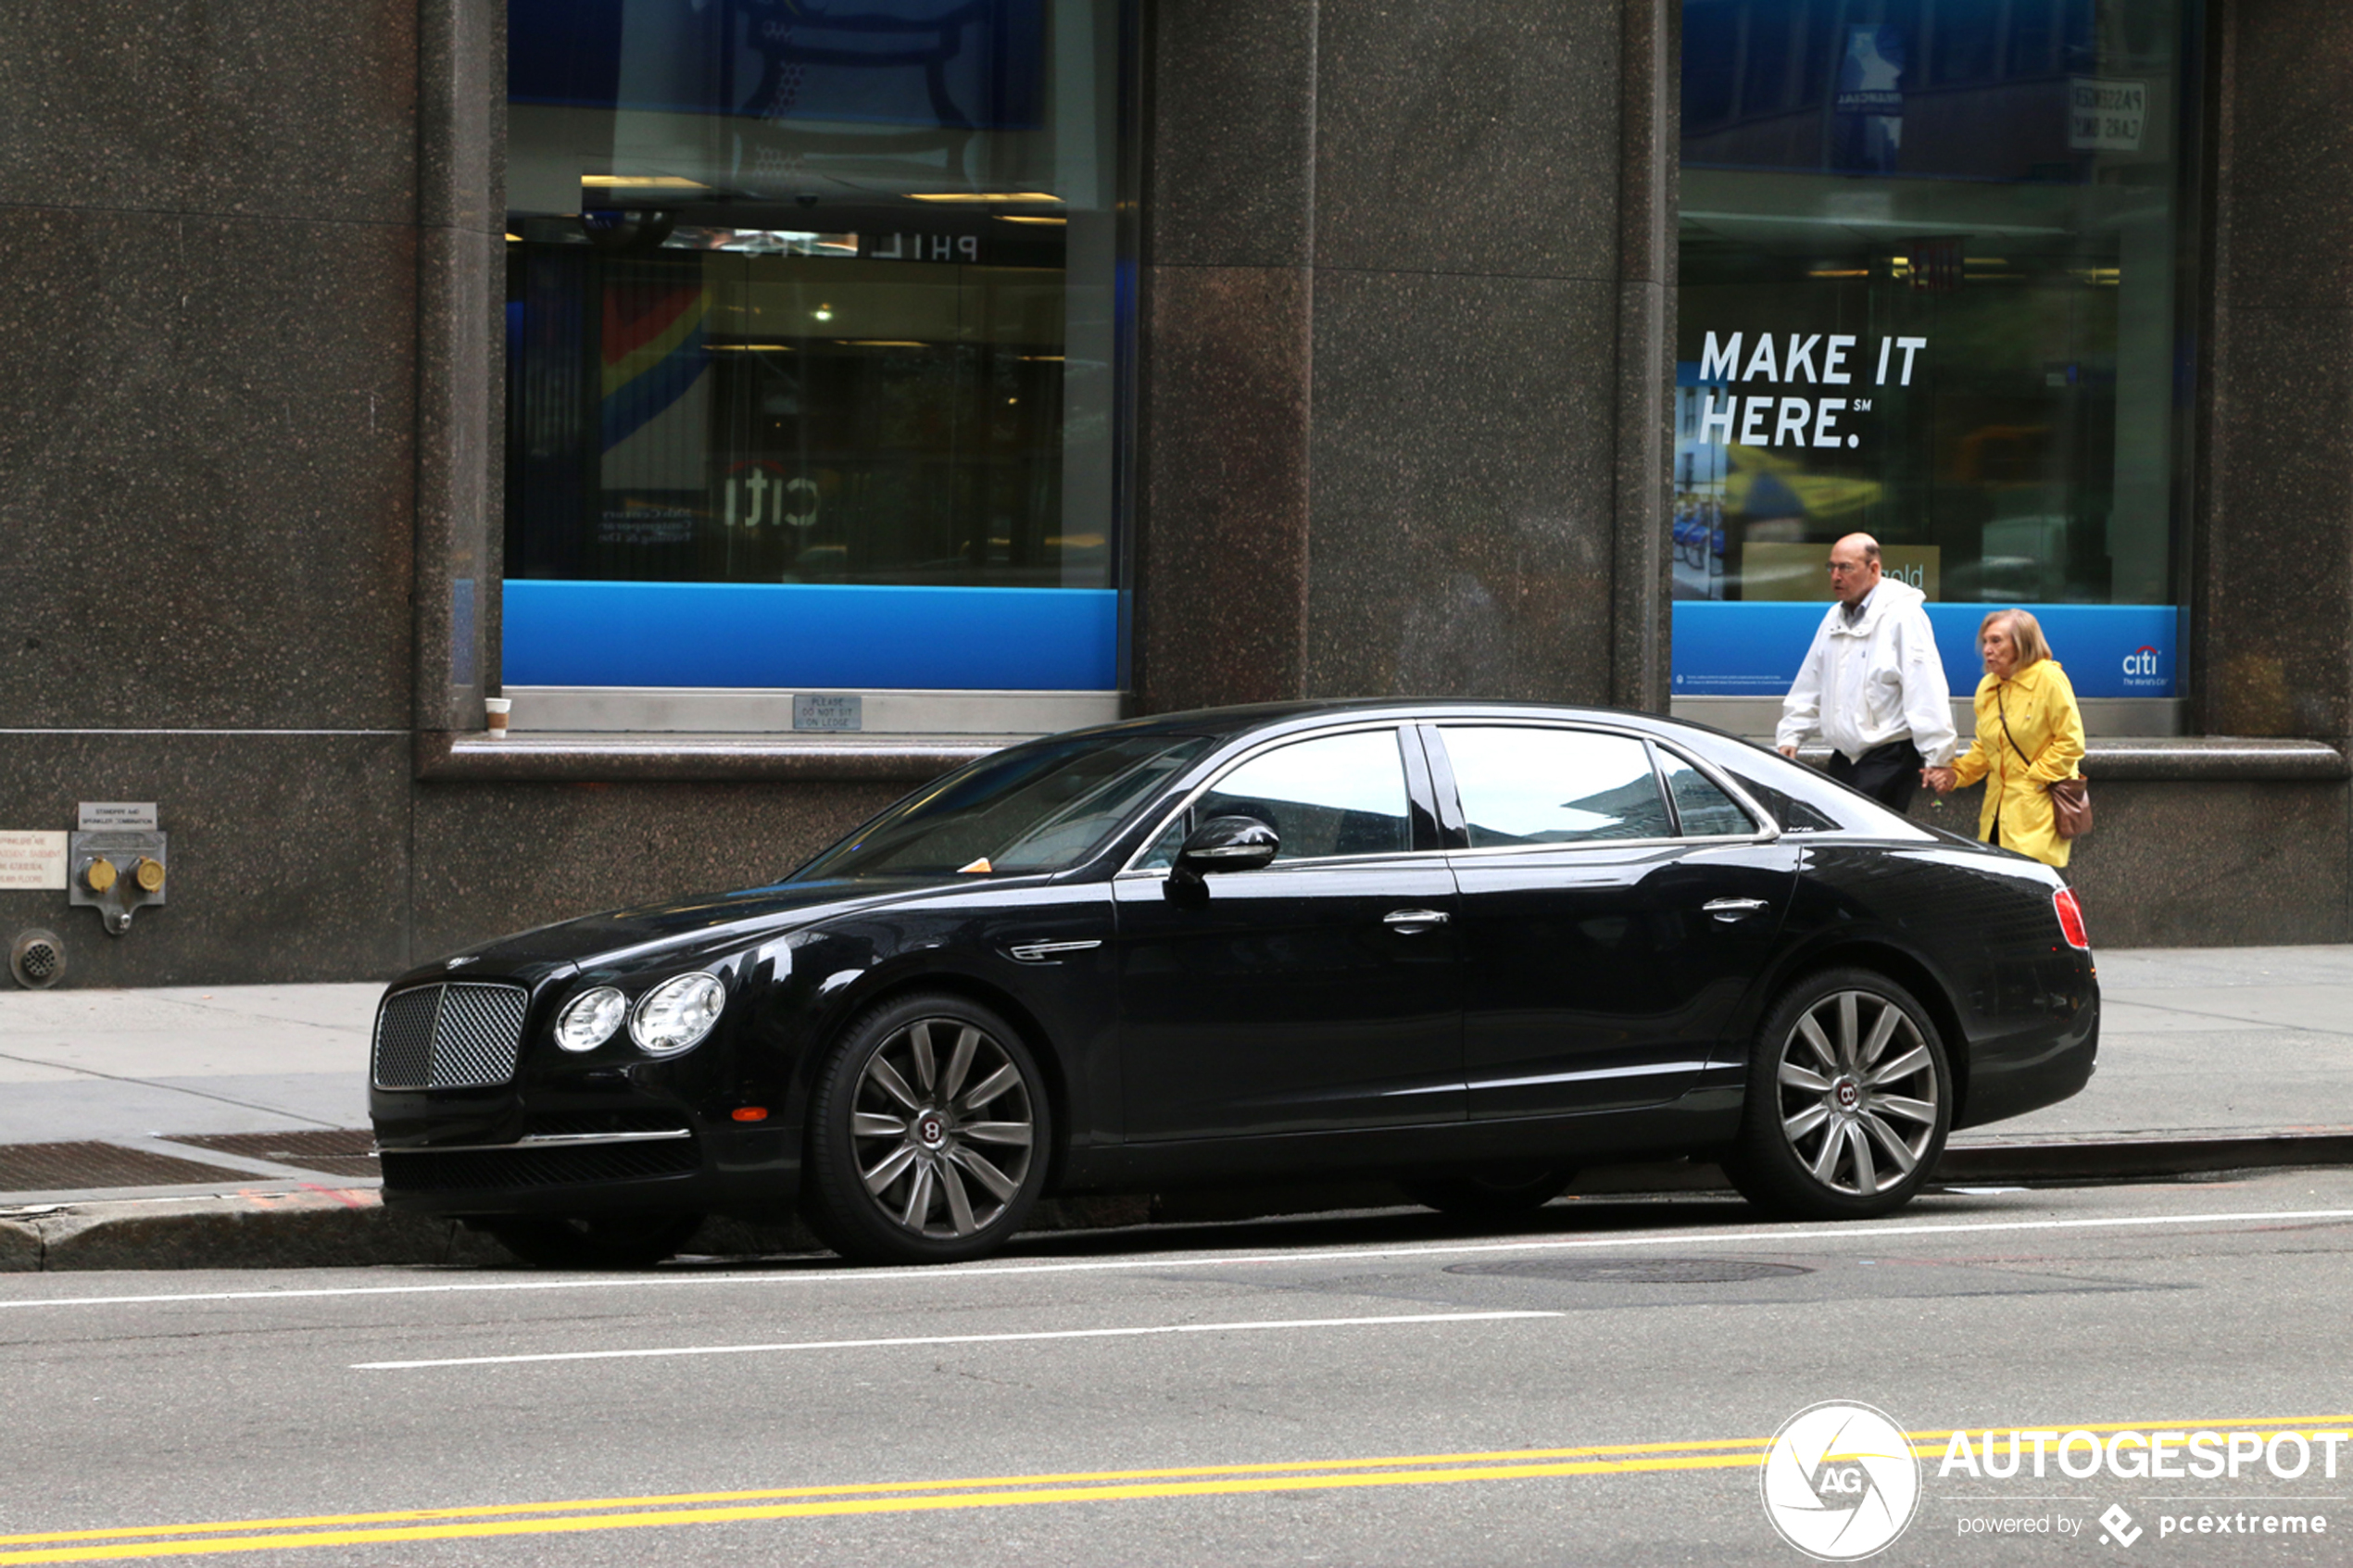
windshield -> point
(1037, 808)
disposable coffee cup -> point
(495, 709)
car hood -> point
(714, 920)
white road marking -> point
(1863, 1231)
(952, 1339)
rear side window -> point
(1332, 796)
(1554, 787)
(1705, 811)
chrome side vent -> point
(453, 1036)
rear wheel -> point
(1491, 1193)
(595, 1241)
(1849, 1099)
(928, 1134)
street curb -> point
(350, 1228)
(2124, 1159)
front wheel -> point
(928, 1134)
(1849, 1098)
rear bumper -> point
(2028, 1071)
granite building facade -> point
(1368, 364)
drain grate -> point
(335, 1151)
(74, 1167)
(1635, 1271)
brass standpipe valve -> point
(118, 871)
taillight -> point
(2070, 914)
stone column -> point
(2275, 566)
(1406, 357)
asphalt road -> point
(1597, 1385)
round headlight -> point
(590, 1018)
(677, 1013)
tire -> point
(1850, 1096)
(1494, 1192)
(595, 1241)
(928, 1134)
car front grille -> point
(475, 1169)
(461, 1035)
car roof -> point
(1266, 715)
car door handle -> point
(1731, 909)
(1409, 921)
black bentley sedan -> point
(1470, 946)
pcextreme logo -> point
(1840, 1481)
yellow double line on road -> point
(992, 1491)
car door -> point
(1320, 992)
(1617, 902)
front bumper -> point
(646, 1161)
(481, 1121)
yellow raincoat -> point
(2040, 703)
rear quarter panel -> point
(2017, 1006)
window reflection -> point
(813, 295)
(1336, 795)
(1554, 787)
(1982, 201)
(1703, 811)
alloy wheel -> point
(943, 1128)
(1857, 1093)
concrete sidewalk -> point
(188, 1126)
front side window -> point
(1333, 796)
(812, 335)
(1523, 786)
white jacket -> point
(1873, 683)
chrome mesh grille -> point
(458, 1036)
(404, 1038)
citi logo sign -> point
(2141, 661)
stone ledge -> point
(2217, 758)
(2199, 758)
(471, 756)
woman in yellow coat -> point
(2030, 736)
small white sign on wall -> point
(98, 816)
(32, 858)
(2106, 115)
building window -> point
(815, 345)
(1935, 293)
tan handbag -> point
(2070, 798)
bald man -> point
(1872, 684)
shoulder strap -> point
(2005, 712)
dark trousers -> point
(1887, 773)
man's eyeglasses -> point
(1836, 566)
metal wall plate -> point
(118, 871)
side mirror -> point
(1226, 844)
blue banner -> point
(561, 633)
(1755, 650)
